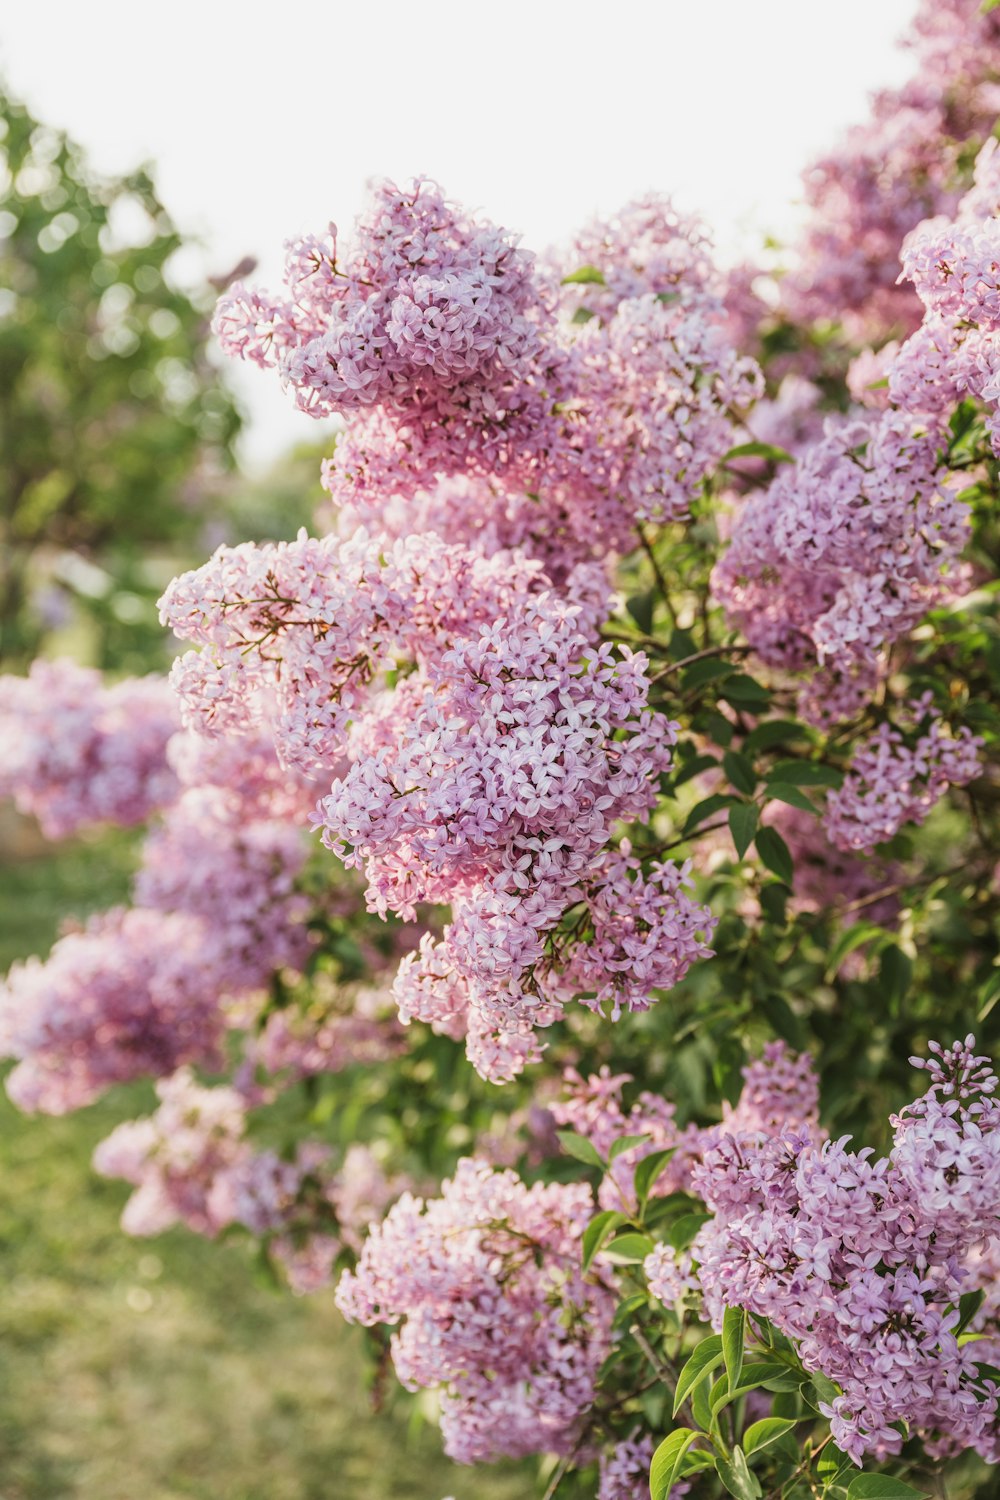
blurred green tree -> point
(114, 424)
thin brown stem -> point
(687, 661)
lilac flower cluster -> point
(860, 1261)
(489, 778)
(74, 752)
(954, 268)
(844, 553)
(890, 784)
(192, 1163)
(894, 171)
(494, 1311)
(459, 358)
(147, 989)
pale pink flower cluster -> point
(75, 752)
(642, 933)
(893, 171)
(489, 778)
(124, 997)
(192, 1163)
(457, 357)
(300, 1042)
(955, 267)
(860, 1261)
(844, 553)
(494, 1312)
(890, 783)
(297, 632)
(624, 1471)
(144, 990)
(827, 877)
(176, 1158)
(424, 302)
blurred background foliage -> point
(117, 429)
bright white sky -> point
(265, 120)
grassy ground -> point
(154, 1370)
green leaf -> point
(707, 670)
(682, 1232)
(780, 791)
(832, 1462)
(626, 1311)
(600, 1228)
(694, 767)
(736, 1476)
(640, 607)
(854, 937)
(762, 450)
(733, 1333)
(775, 854)
(705, 809)
(968, 1305)
(760, 1434)
(805, 773)
(667, 1460)
(740, 771)
(582, 315)
(895, 972)
(706, 1358)
(585, 276)
(825, 1389)
(701, 1405)
(630, 1247)
(757, 1374)
(745, 691)
(774, 903)
(580, 1147)
(881, 1487)
(648, 1170)
(742, 826)
(625, 1143)
(989, 994)
(774, 732)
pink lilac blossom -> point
(827, 877)
(126, 996)
(890, 784)
(302, 1041)
(624, 1471)
(74, 752)
(290, 1204)
(643, 933)
(895, 170)
(445, 344)
(237, 878)
(295, 633)
(860, 1261)
(844, 553)
(174, 1158)
(955, 268)
(144, 990)
(490, 780)
(494, 1312)
(191, 1162)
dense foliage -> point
(113, 420)
(644, 695)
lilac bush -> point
(553, 862)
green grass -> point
(165, 1368)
